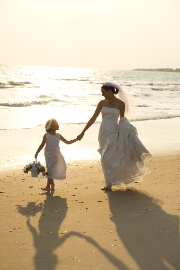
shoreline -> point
(160, 137)
(18, 146)
(134, 121)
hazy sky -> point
(106, 34)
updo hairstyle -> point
(113, 89)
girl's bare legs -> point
(52, 185)
(49, 185)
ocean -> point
(30, 95)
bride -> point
(122, 153)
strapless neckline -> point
(110, 108)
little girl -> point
(56, 165)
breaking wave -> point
(25, 104)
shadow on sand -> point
(150, 235)
(47, 239)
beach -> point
(78, 226)
(65, 64)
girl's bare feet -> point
(52, 187)
(106, 188)
(46, 189)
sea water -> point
(30, 95)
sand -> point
(78, 226)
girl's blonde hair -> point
(51, 124)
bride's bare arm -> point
(121, 108)
(92, 119)
(122, 111)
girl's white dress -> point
(122, 153)
(56, 165)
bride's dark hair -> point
(113, 89)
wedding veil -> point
(128, 99)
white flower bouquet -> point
(35, 168)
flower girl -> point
(56, 165)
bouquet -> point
(35, 168)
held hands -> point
(80, 136)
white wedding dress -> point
(122, 153)
(56, 165)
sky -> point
(102, 34)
